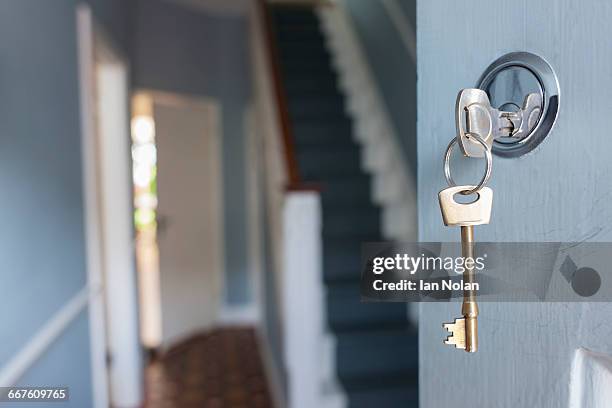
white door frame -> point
(108, 216)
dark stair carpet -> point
(377, 350)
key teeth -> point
(457, 333)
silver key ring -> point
(489, 164)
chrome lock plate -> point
(513, 108)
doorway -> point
(178, 215)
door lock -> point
(513, 106)
(474, 114)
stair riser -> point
(395, 398)
(313, 169)
(295, 19)
(362, 226)
(346, 315)
(305, 85)
(372, 360)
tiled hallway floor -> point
(219, 369)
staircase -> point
(376, 347)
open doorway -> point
(178, 196)
(178, 200)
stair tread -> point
(381, 332)
(403, 379)
(397, 396)
(305, 84)
(375, 353)
(348, 314)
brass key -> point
(464, 330)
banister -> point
(295, 182)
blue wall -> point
(392, 67)
(42, 261)
(179, 50)
(115, 17)
(65, 363)
(559, 192)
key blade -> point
(457, 333)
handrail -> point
(281, 98)
(295, 182)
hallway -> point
(221, 368)
(191, 183)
